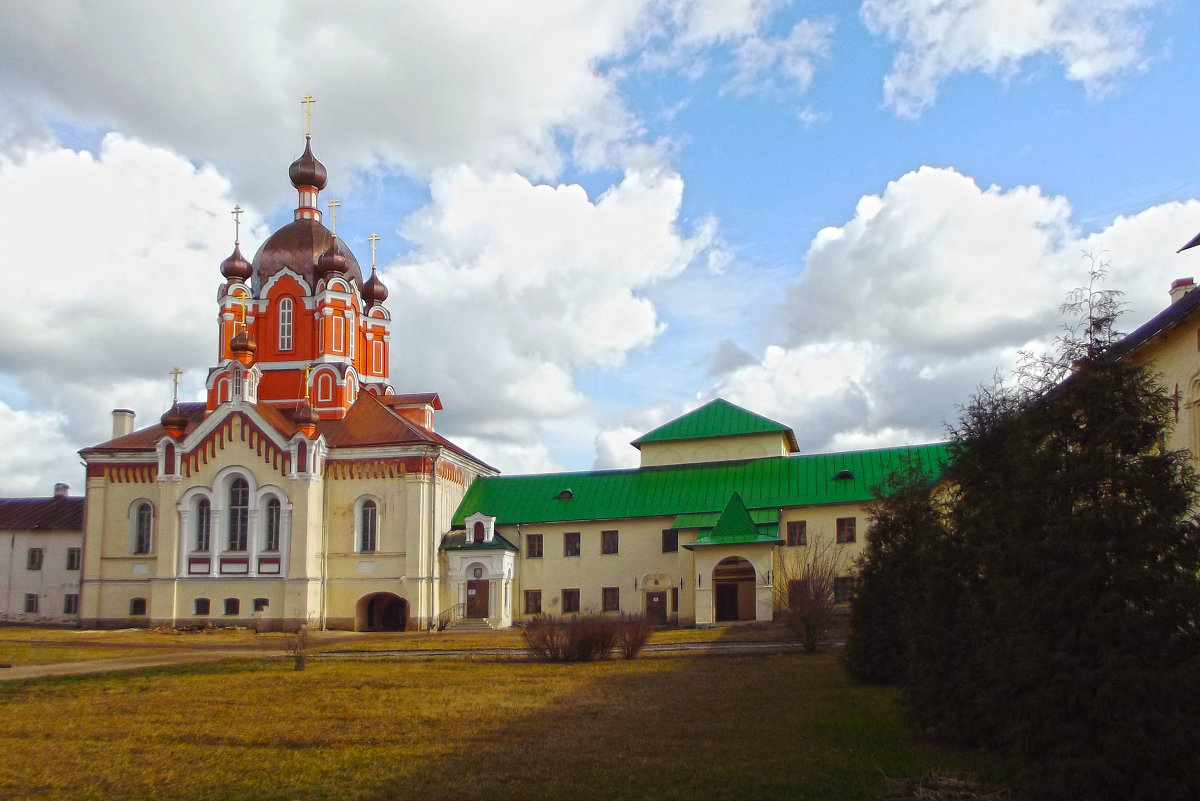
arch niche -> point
(733, 581)
(381, 611)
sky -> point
(593, 216)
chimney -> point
(1180, 287)
(61, 490)
(122, 422)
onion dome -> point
(305, 415)
(374, 292)
(174, 420)
(307, 171)
(331, 261)
(297, 246)
(243, 346)
(236, 266)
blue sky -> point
(595, 216)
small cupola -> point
(236, 267)
(308, 176)
(306, 418)
(174, 421)
(481, 528)
(243, 346)
(332, 262)
(374, 292)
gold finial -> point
(307, 373)
(373, 238)
(307, 103)
(175, 373)
(240, 299)
(333, 207)
(237, 224)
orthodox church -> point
(304, 489)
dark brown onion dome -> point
(236, 266)
(297, 246)
(174, 420)
(243, 346)
(305, 415)
(307, 171)
(374, 292)
(331, 261)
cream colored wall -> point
(639, 555)
(713, 449)
(1175, 358)
(52, 583)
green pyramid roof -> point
(717, 418)
(735, 526)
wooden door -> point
(477, 598)
(656, 608)
(727, 601)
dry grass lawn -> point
(781, 726)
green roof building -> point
(694, 535)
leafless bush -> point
(804, 588)
(632, 633)
(579, 638)
(296, 645)
(544, 638)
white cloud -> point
(35, 454)
(513, 286)
(763, 63)
(1093, 39)
(930, 289)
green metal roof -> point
(761, 517)
(675, 490)
(734, 527)
(717, 418)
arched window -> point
(285, 324)
(274, 513)
(478, 533)
(203, 524)
(301, 457)
(325, 387)
(237, 383)
(239, 514)
(368, 527)
(169, 459)
(143, 525)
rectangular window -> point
(611, 599)
(34, 560)
(843, 589)
(285, 324)
(31, 603)
(533, 602)
(533, 546)
(137, 606)
(845, 529)
(261, 604)
(608, 542)
(797, 532)
(203, 524)
(570, 601)
(571, 543)
(233, 606)
(203, 605)
(670, 540)
(71, 604)
(74, 558)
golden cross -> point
(307, 103)
(373, 238)
(237, 224)
(175, 373)
(240, 299)
(307, 373)
(333, 207)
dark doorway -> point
(656, 608)
(477, 598)
(385, 612)
(727, 601)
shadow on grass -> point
(778, 726)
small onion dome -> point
(305, 415)
(236, 266)
(331, 261)
(374, 291)
(243, 346)
(307, 171)
(174, 420)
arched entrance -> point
(733, 582)
(381, 611)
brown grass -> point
(783, 726)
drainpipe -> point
(432, 535)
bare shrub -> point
(296, 646)
(579, 638)
(632, 634)
(544, 638)
(804, 588)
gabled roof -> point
(735, 527)
(670, 491)
(47, 514)
(1175, 314)
(144, 439)
(457, 541)
(717, 418)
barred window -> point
(239, 514)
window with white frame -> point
(325, 387)
(239, 514)
(143, 526)
(203, 540)
(285, 324)
(368, 526)
(339, 333)
(274, 517)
